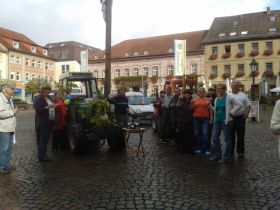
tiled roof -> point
(244, 27)
(151, 46)
(71, 44)
(25, 44)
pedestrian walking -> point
(7, 128)
(184, 138)
(121, 108)
(239, 120)
(164, 119)
(59, 127)
(44, 119)
(225, 107)
(201, 118)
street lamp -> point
(254, 68)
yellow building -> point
(23, 60)
(232, 42)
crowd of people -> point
(194, 122)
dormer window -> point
(232, 34)
(33, 49)
(15, 44)
(272, 29)
(45, 52)
(171, 50)
(146, 52)
(244, 32)
(126, 54)
(136, 53)
(96, 57)
(221, 35)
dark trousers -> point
(164, 124)
(43, 135)
(239, 132)
(184, 138)
(210, 131)
(59, 140)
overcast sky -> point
(46, 21)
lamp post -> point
(254, 68)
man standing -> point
(7, 128)
(239, 120)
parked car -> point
(21, 104)
(140, 108)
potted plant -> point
(213, 56)
(240, 54)
(117, 80)
(239, 74)
(254, 53)
(226, 75)
(268, 52)
(256, 74)
(213, 76)
(268, 74)
(154, 79)
(227, 55)
(169, 77)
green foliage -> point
(200, 84)
(33, 86)
(65, 89)
(101, 111)
(131, 78)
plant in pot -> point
(213, 76)
(240, 54)
(213, 56)
(154, 79)
(226, 75)
(268, 74)
(239, 74)
(254, 53)
(227, 55)
(255, 74)
(268, 52)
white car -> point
(140, 108)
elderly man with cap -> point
(7, 128)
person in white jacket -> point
(7, 128)
(275, 122)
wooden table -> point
(126, 133)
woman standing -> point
(44, 117)
(59, 127)
(201, 114)
(185, 137)
(225, 106)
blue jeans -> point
(6, 149)
(43, 135)
(227, 130)
(201, 132)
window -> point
(171, 50)
(117, 72)
(155, 70)
(18, 60)
(235, 23)
(268, 45)
(17, 76)
(103, 73)
(136, 53)
(15, 44)
(240, 68)
(255, 46)
(12, 59)
(96, 57)
(272, 18)
(227, 49)
(26, 77)
(136, 71)
(268, 66)
(232, 34)
(146, 53)
(27, 62)
(126, 54)
(50, 66)
(193, 68)
(33, 49)
(13, 76)
(126, 72)
(1, 58)
(272, 29)
(39, 64)
(95, 73)
(33, 76)
(214, 50)
(221, 35)
(214, 70)
(145, 71)
(46, 66)
(64, 68)
(227, 69)
(170, 70)
(45, 52)
(33, 64)
(241, 48)
(244, 32)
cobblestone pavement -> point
(163, 179)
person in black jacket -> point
(121, 108)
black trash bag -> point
(115, 139)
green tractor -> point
(89, 119)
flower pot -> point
(213, 57)
(254, 53)
(226, 75)
(226, 55)
(240, 54)
(268, 52)
(213, 76)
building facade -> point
(67, 55)
(149, 62)
(232, 42)
(22, 60)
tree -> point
(33, 86)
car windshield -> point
(138, 100)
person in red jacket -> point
(59, 128)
